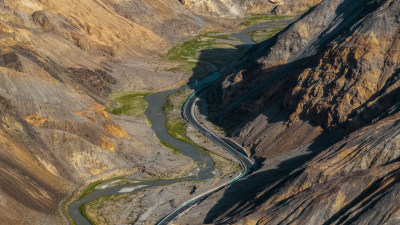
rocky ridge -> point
(346, 78)
(319, 104)
(241, 8)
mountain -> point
(59, 60)
(336, 73)
(318, 107)
(240, 8)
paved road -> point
(229, 146)
(235, 150)
(155, 114)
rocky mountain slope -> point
(168, 19)
(58, 62)
(318, 105)
(240, 8)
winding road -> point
(232, 148)
(155, 114)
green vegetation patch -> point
(218, 129)
(177, 129)
(82, 209)
(175, 126)
(188, 49)
(220, 36)
(90, 188)
(174, 150)
(95, 205)
(190, 60)
(128, 103)
(175, 123)
(262, 35)
(253, 20)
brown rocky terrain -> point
(240, 8)
(168, 19)
(59, 60)
(345, 78)
(318, 106)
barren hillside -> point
(241, 8)
(58, 62)
(318, 106)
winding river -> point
(155, 114)
(158, 119)
(244, 37)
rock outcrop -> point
(355, 181)
(337, 73)
(319, 104)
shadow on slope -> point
(267, 89)
(243, 196)
(247, 194)
(215, 60)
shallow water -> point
(158, 120)
(244, 36)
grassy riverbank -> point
(204, 54)
(253, 20)
(91, 210)
(262, 35)
(128, 103)
(176, 126)
(175, 123)
(87, 190)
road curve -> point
(232, 148)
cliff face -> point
(355, 181)
(339, 71)
(333, 73)
(234, 9)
